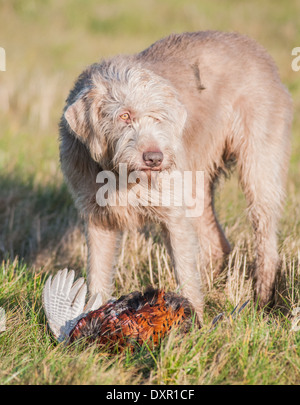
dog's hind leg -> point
(262, 162)
(214, 246)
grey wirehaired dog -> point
(190, 102)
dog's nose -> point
(153, 159)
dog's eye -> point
(125, 116)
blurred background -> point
(48, 43)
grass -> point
(47, 45)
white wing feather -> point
(64, 302)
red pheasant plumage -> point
(131, 320)
(134, 319)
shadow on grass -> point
(37, 221)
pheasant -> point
(129, 321)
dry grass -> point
(40, 231)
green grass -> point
(47, 45)
(254, 349)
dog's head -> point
(129, 115)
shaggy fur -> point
(204, 100)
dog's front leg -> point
(102, 248)
(183, 247)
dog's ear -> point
(77, 115)
(83, 117)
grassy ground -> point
(47, 45)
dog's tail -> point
(64, 302)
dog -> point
(191, 102)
